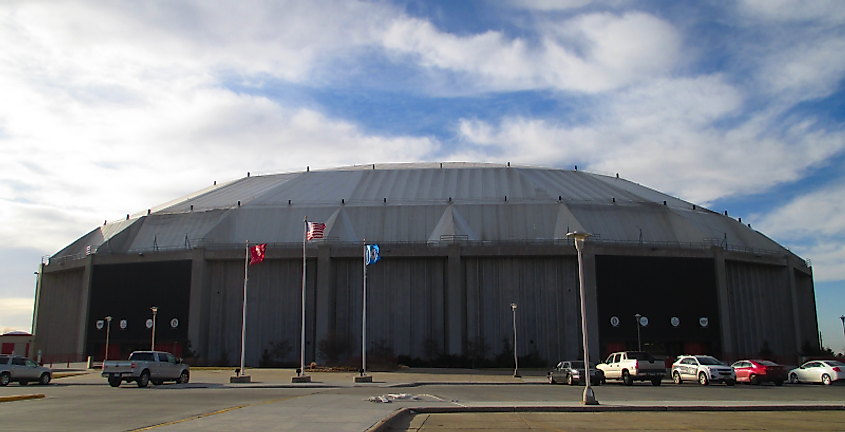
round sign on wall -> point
(675, 321)
(100, 324)
(643, 321)
(149, 323)
(174, 323)
(703, 321)
(123, 324)
(614, 321)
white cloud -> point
(807, 70)
(549, 5)
(590, 53)
(664, 135)
(794, 10)
(17, 314)
(813, 226)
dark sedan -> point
(759, 371)
(571, 372)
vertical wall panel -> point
(59, 312)
(761, 309)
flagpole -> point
(243, 322)
(302, 341)
(364, 318)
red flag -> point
(256, 253)
(315, 230)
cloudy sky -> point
(109, 108)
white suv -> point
(704, 369)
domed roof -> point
(422, 202)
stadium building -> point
(459, 243)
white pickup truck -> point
(630, 366)
(144, 367)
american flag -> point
(315, 230)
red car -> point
(759, 371)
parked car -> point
(572, 373)
(759, 371)
(702, 368)
(22, 370)
(630, 366)
(144, 367)
(818, 371)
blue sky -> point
(111, 108)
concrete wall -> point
(61, 311)
(450, 294)
(273, 309)
(760, 309)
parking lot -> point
(86, 403)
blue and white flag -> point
(372, 254)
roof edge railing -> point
(210, 243)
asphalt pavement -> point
(394, 401)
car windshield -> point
(767, 363)
(709, 361)
(640, 355)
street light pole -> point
(589, 398)
(842, 317)
(153, 343)
(515, 357)
(108, 329)
(639, 342)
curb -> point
(386, 423)
(20, 397)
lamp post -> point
(108, 329)
(153, 343)
(639, 343)
(589, 398)
(515, 357)
(842, 317)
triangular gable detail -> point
(338, 226)
(566, 222)
(452, 224)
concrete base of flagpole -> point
(242, 379)
(363, 379)
(300, 379)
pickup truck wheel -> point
(677, 378)
(144, 379)
(627, 378)
(656, 382)
(570, 380)
(5, 378)
(45, 379)
(114, 381)
(185, 376)
(702, 379)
